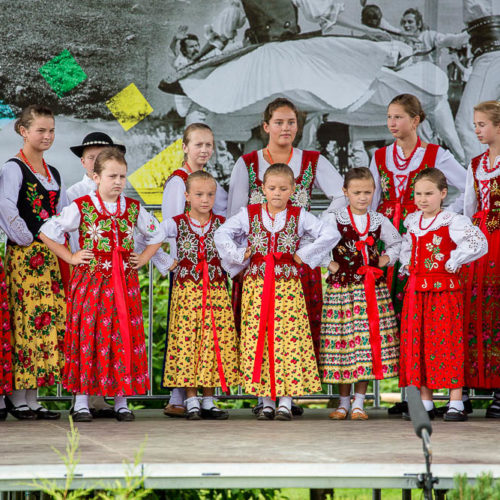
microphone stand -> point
(427, 481)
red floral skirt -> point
(432, 354)
(5, 346)
(482, 334)
(96, 360)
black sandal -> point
(283, 413)
(19, 412)
(266, 413)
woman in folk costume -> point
(202, 348)
(273, 305)
(104, 346)
(359, 332)
(310, 170)
(482, 278)
(30, 192)
(437, 243)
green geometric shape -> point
(62, 73)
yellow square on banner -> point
(129, 106)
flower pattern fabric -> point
(5, 338)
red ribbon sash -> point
(411, 293)
(395, 223)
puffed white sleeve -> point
(163, 260)
(392, 240)
(470, 240)
(330, 182)
(452, 40)
(328, 218)
(66, 222)
(231, 242)
(238, 188)
(406, 245)
(325, 12)
(324, 237)
(149, 227)
(225, 25)
(64, 200)
(11, 221)
(173, 201)
(220, 204)
(455, 175)
(470, 198)
(378, 188)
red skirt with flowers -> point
(432, 353)
(97, 362)
(5, 347)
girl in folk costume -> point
(482, 278)
(30, 193)
(202, 349)
(436, 245)
(198, 147)
(277, 353)
(104, 345)
(5, 346)
(359, 332)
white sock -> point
(81, 402)
(18, 397)
(345, 402)
(286, 402)
(359, 401)
(120, 403)
(177, 396)
(31, 399)
(2, 403)
(192, 403)
(207, 402)
(457, 405)
(428, 404)
(267, 401)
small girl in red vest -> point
(277, 353)
(202, 348)
(437, 243)
(105, 347)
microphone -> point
(419, 416)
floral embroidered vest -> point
(350, 258)
(35, 203)
(492, 215)
(388, 183)
(303, 183)
(96, 234)
(188, 252)
(429, 255)
(262, 242)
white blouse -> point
(231, 239)
(81, 188)
(471, 242)
(445, 161)
(69, 220)
(388, 233)
(11, 178)
(327, 179)
(484, 185)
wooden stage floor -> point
(311, 451)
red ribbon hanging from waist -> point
(411, 293)
(371, 274)
(202, 267)
(120, 291)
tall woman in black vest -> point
(31, 192)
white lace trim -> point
(342, 217)
(413, 220)
(482, 175)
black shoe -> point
(398, 408)
(124, 415)
(283, 413)
(266, 413)
(297, 411)
(194, 414)
(493, 411)
(431, 413)
(102, 412)
(3, 414)
(214, 414)
(22, 412)
(443, 409)
(453, 415)
(43, 414)
(256, 409)
(82, 415)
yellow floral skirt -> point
(38, 315)
(190, 357)
(296, 372)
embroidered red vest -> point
(390, 196)
(303, 183)
(262, 242)
(488, 217)
(349, 258)
(177, 173)
(96, 234)
(188, 248)
(429, 255)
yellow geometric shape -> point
(129, 106)
(149, 180)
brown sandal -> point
(339, 414)
(359, 414)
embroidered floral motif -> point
(435, 251)
(258, 238)
(385, 185)
(35, 199)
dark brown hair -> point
(434, 175)
(419, 20)
(279, 169)
(491, 109)
(279, 102)
(29, 114)
(410, 104)
(199, 175)
(356, 173)
(108, 154)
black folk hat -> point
(95, 139)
